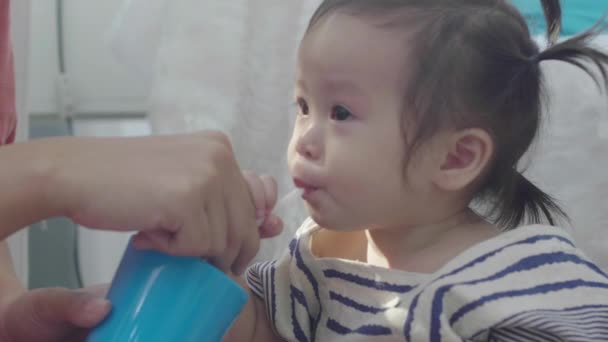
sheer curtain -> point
(228, 65)
(224, 65)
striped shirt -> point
(529, 284)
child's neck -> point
(425, 248)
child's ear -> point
(465, 157)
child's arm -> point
(252, 325)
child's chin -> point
(320, 219)
(316, 217)
(329, 222)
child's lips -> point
(307, 189)
(300, 184)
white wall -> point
(98, 83)
(43, 65)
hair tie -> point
(535, 58)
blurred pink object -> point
(8, 117)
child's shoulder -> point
(531, 241)
(537, 236)
(535, 230)
(518, 279)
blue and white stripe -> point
(531, 284)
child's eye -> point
(303, 106)
(340, 113)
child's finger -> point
(271, 227)
(270, 191)
(256, 188)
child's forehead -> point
(355, 45)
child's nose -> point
(309, 144)
(309, 151)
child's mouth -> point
(307, 189)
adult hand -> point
(52, 315)
(263, 190)
(186, 193)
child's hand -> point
(264, 192)
(221, 245)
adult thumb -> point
(52, 315)
(56, 307)
(75, 307)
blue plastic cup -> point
(157, 297)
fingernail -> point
(274, 222)
(259, 221)
(96, 308)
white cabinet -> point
(98, 84)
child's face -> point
(347, 148)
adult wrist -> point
(49, 173)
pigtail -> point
(525, 202)
(523, 199)
(576, 50)
(518, 199)
(553, 17)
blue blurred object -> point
(163, 298)
(578, 15)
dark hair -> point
(478, 66)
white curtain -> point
(228, 65)
(224, 65)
